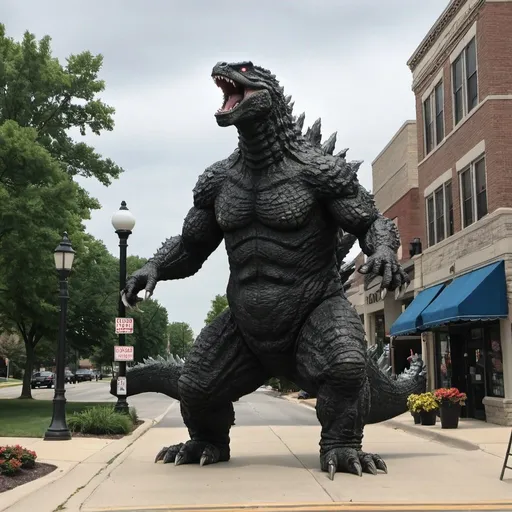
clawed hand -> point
(384, 263)
(145, 278)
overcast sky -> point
(341, 60)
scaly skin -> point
(278, 202)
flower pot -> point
(416, 416)
(450, 414)
(428, 418)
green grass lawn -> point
(31, 418)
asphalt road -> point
(258, 409)
(148, 405)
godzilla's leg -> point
(331, 355)
(219, 370)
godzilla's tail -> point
(389, 396)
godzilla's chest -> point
(283, 204)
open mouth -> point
(234, 93)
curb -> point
(432, 436)
(97, 462)
(409, 429)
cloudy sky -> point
(342, 60)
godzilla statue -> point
(278, 202)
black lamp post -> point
(123, 222)
(58, 429)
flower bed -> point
(18, 466)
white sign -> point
(123, 353)
(124, 325)
(121, 385)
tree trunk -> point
(26, 390)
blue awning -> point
(478, 295)
(411, 319)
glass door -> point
(475, 373)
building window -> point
(465, 81)
(440, 214)
(433, 116)
(473, 188)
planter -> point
(450, 414)
(428, 418)
(416, 416)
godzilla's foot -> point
(349, 460)
(192, 452)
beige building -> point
(395, 188)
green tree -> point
(39, 92)
(181, 338)
(44, 101)
(218, 305)
(38, 201)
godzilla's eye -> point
(243, 70)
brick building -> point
(462, 81)
(395, 189)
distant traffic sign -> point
(123, 353)
(124, 325)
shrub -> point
(13, 458)
(100, 420)
(133, 415)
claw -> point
(332, 469)
(169, 456)
(161, 454)
(124, 301)
(148, 294)
(371, 468)
(180, 459)
(357, 468)
(205, 460)
(380, 464)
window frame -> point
(447, 232)
(432, 128)
(471, 167)
(463, 57)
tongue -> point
(232, 101)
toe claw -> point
(332, 469)
(357, 469)
(380, 464)
(180, 459)
(205, 460)
(169, 457)
(161, 454)
(371, 468)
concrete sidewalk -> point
(280, 465)
(78, 461)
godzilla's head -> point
(249, 93)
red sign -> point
(123, 353)
(124, 325)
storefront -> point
(467, 318)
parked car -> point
(83, 375)
(70, 377)
(40, 379)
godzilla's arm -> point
(355, 213)
(183, 255)
(353, 208)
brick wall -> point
(407, 209)
(491, 121)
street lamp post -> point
(58, 429)
(123, 222)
